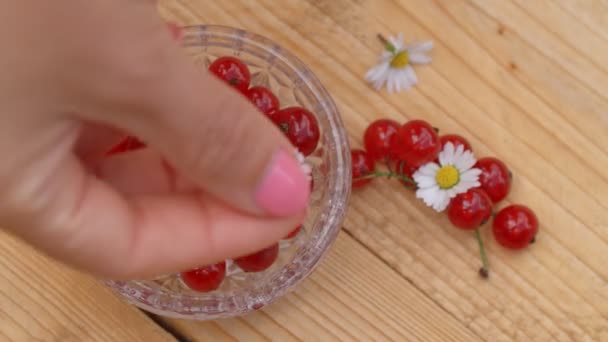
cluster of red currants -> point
(404, 149)
(297, 123)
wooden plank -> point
(501, 78)
(352, 296)
(43, 301)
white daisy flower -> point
(439, 183)
(395, 67)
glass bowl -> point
(294, 84)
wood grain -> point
(43, 301)
(352, 296)
(507, 75)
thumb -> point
(217, 139)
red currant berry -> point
(129, 143)
(377, 138)
(264, 99)
(300, 126)
(258, 261)
(416, 143)
(470, 210)
(456, 140)
(233, 71)
(515, 226)
(362, 165)
(206, 278)
(293, 233)
(495, 178)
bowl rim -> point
(340, 184)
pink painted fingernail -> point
(284, 189)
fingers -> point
(211, 133)
(97, 229)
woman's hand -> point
(219, 180)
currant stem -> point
(387, 45)
(484, 271)
(376, 174)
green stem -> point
(376, 174)
(387, 45)
(484, 271)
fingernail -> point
(284, 189)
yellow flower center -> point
(447, 177)
(400, 60)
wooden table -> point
(525, 80)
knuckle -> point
(226, 143)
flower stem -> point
(376, 174)
(484, 271)
(387, 45)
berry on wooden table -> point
(495, 178)
(377, 138)
(416, 143)
(206, 278)
(362, 165)
(515, 226)
(470, 210)
(258, 261)
(233, 71)
(300, 126)
(263, 99)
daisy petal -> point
(458, 151)
(397, 41)
(446, 156)
(427, 195)
(470, 175)
(441, 201)
(411, 75)
(429, 169)
(419, 58)
(426, 182)
(465, 162)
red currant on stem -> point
(206, 278)
(377, 138)
(456, 140)
(515, 226)
(495, 178)
(363, 170)
(300, 126)
(258, 261)
(416, 143)
(469, 211)
(264, 99)
(233, 71)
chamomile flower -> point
(394, 69)
(439, 183)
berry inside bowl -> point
(245, 284)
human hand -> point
(77, 73)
